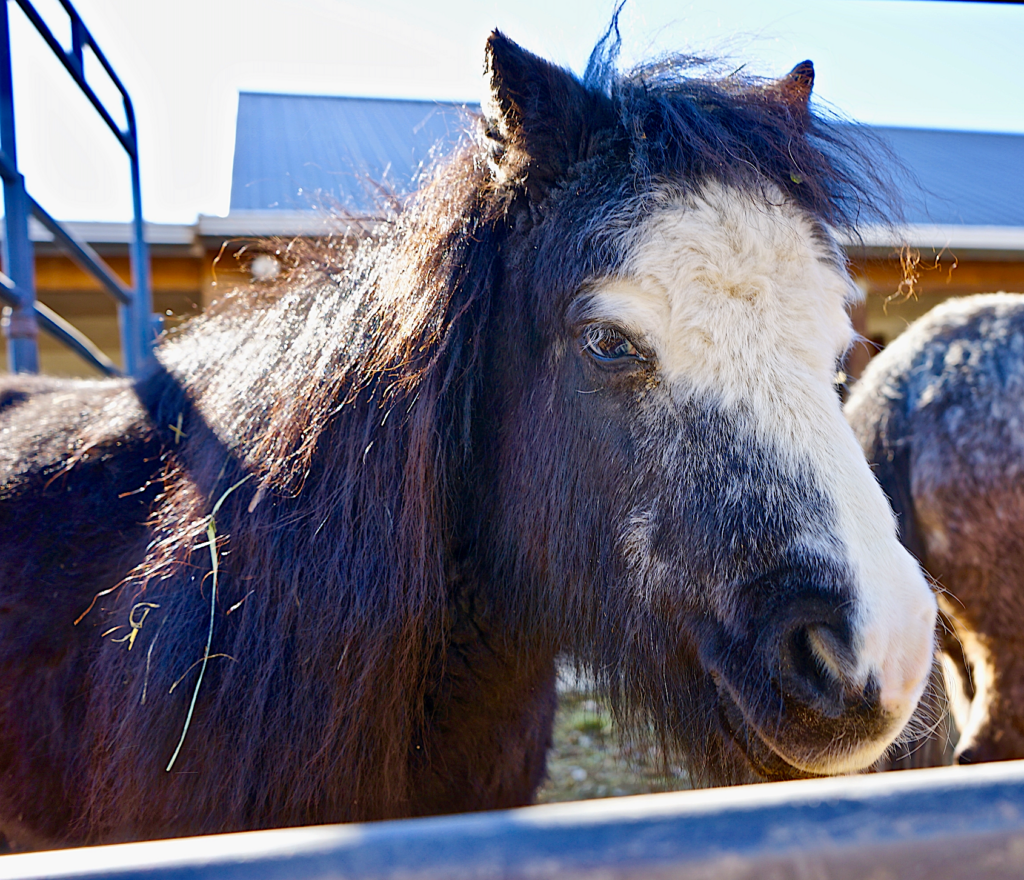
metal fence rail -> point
(26, 317)
(50, 322)
(955, 822)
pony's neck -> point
(490, 716)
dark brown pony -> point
(320, 564)
(940, 414)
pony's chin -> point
(770, 761)
(765, 761)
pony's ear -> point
(794, 89)
(539, 115)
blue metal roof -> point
(296, 152)
(966, 178)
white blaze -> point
(743, 300)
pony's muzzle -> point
(798, 682)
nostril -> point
(828, 651)
(813, 660)
(968, 756)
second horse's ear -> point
(540, 117)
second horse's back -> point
(940, 414)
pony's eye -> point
(607, 345)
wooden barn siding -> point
(889, 312)
(888, 309)
(182, 283)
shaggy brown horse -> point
(319, 566)
(940, 414)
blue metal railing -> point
(948, 823)
(24, 316)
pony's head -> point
(667, 472)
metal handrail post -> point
(19, 324)
(142, 320)
(138, 326)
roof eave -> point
(1001, 243)
(997, 243)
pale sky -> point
(890, 62)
